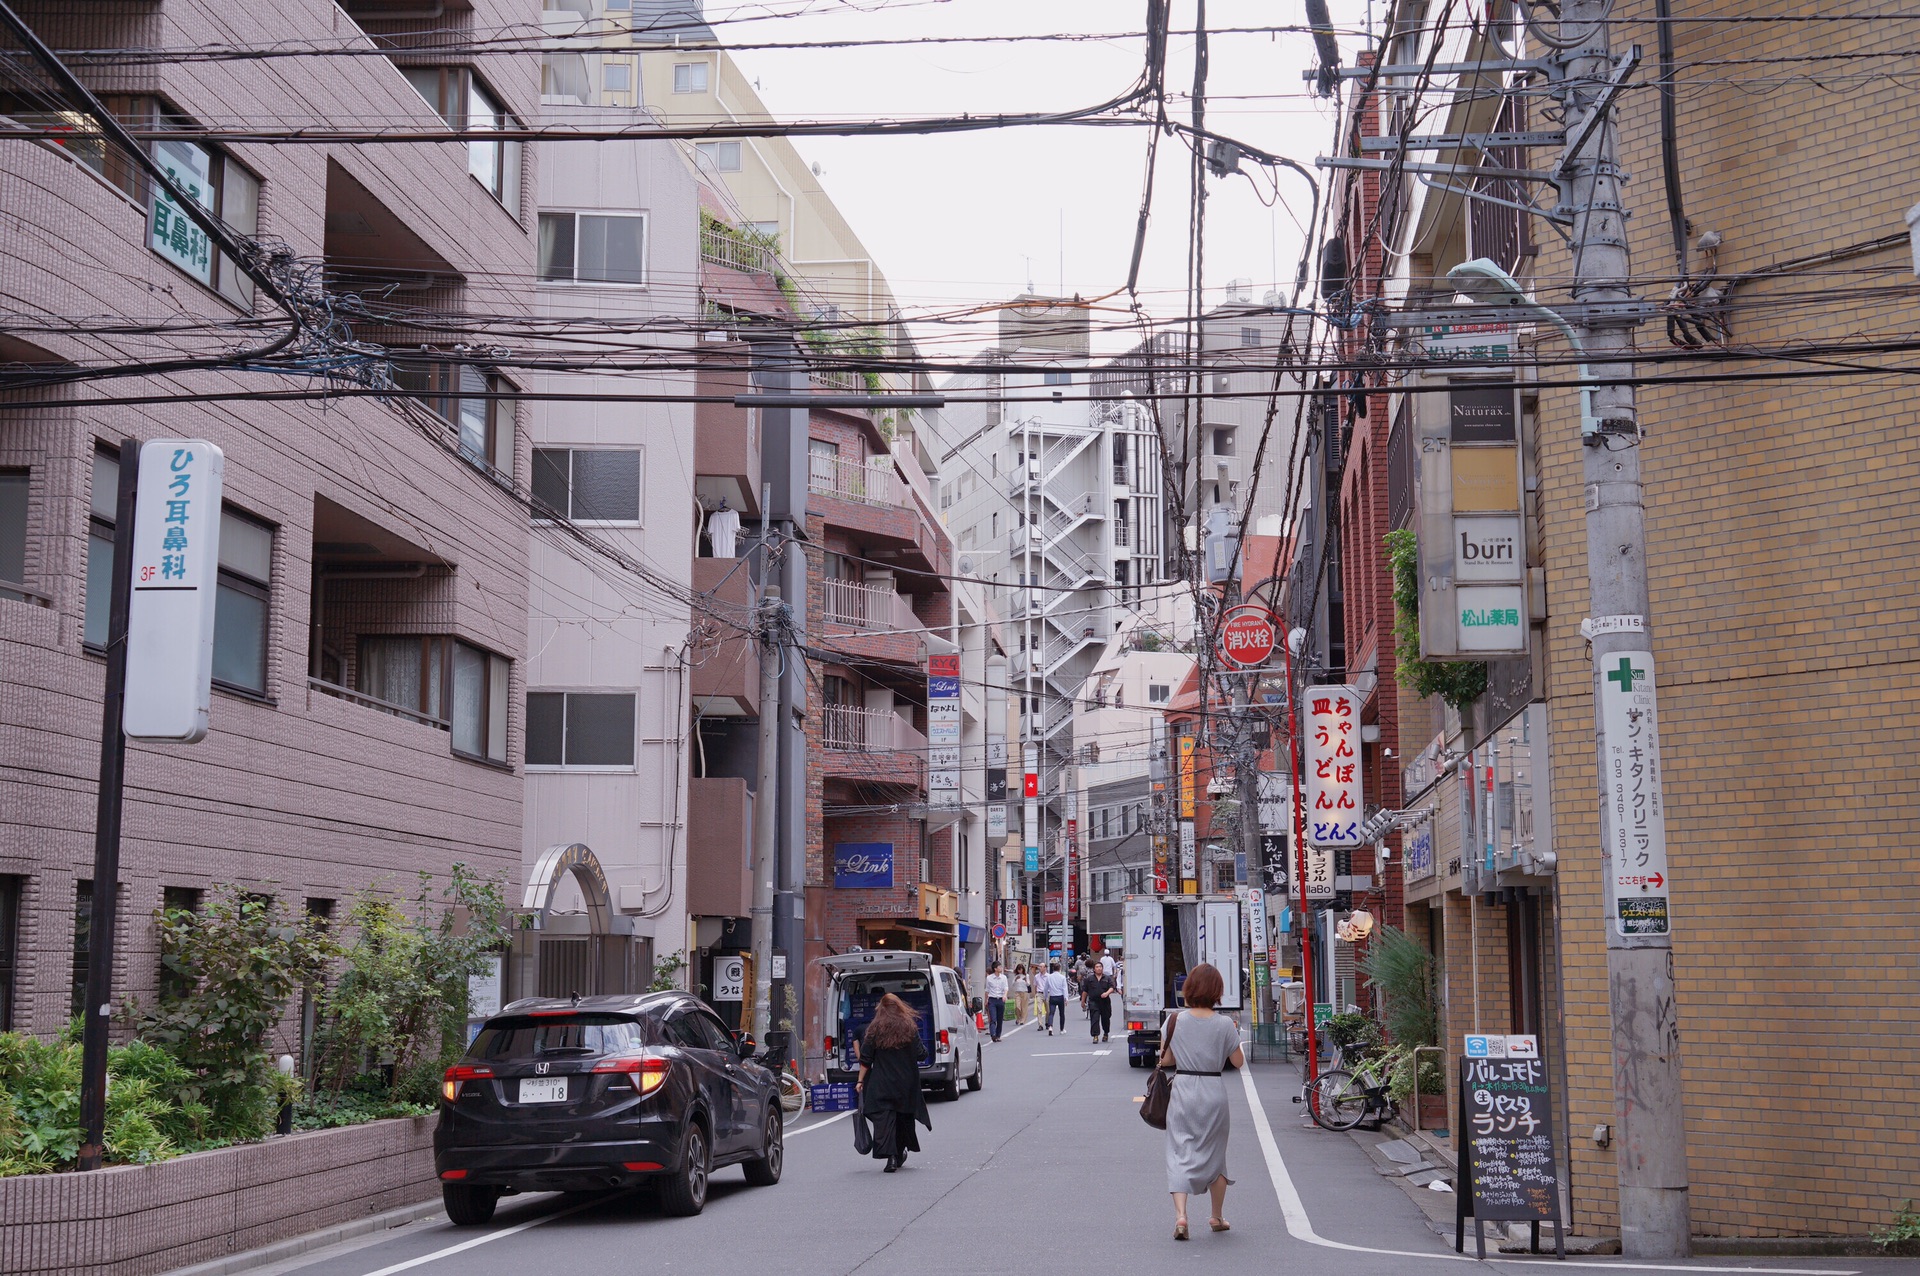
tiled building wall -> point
(1780, 542)
(293, 792)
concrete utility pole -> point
(1650, 1133)
(766, 809)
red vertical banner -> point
(1073, 868)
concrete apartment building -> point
(370, 647)
(1125, 698)
(1055, 499)
(1769, 548)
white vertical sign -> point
(1335, 804)
(1220, 944)
(1636, 824)
(1188, 868)
(176, 572)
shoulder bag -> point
(1153, 1108)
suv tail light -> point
(456, 1075)
(828, 1043)
(645, 1073)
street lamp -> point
(1483, 282)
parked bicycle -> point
(1354, 1090)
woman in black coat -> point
(890, 1094)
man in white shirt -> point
(1056, 982)
(996, 1000)
(1106, 963)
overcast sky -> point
(977, 217)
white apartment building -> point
(610, 676)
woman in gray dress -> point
(1202, 1043)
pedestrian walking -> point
(996, 1001)
(1022, 993)
(1201, 1043)
(890, 1096)
(1099, 991)
(1056, 981)
(1106, 963)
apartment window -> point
(593, 248)
(1249, 336)
(577, 728)
(946, 496)
(969, 538)
(469, 399)
(768, 231)
(1159, 693)
(1223, 442)
(241, 603)
(460, 98)
(177, 899)
(616, 75)
(82, 946)
(823, 464)
(414, 672)
(1056, 376)
(106, 495)
(9, 946)
(1106, 823)
(13, 532)
(724, 156)
(600, 485)
(690, 77)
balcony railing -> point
(860, 605)
(870, 482)
(720, 248)
(851, 728)
(374, 702)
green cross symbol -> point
(1625, 674)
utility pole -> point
(1650, 1133)
(96, 1012)
(765, 808)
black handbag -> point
(1153, 1108)
(862, 1133)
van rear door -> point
(857, 981)
(1144, 955)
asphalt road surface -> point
(1048, 1168)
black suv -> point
(604, 1092)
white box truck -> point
(1166, 936)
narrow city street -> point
(1046, 1167)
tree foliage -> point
(399, 1007)
(233, 966)
(1458, 682)
(1401, 969)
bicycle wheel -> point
(1336, 1100)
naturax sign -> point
(1473, 549)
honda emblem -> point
(541, 1068)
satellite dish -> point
(966, 567)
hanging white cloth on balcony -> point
(723, 531)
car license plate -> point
(543, 1090)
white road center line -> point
(1300, 1227)
(807, 1129)
(1061, 1054)
(477, 1241)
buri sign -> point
(1247, 637)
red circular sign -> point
(1247, 636)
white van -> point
(852, 984)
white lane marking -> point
(805, 1129)
(1300, 1227)
(487, 1239)
(1058, 1054)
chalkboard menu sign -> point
(1505, 1137)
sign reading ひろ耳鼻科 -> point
(176, 570)
(862, 865)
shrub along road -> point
(1047, 1167)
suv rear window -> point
(545, 1036)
